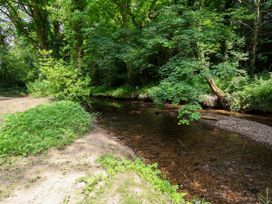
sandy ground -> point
(19, 104)
(52, 177)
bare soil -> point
(19, 104)
(52, 177)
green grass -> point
(43, 127)
(120, 182)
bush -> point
(17, 64)
(174, 93)
(125, 91)
(61, 81)
(256, 94)
(189, 114)
(38, 129)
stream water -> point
(209, 163)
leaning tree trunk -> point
(219, 95)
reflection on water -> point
(207, 162)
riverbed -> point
(207, 162)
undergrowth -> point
(12, 91)
(122, 92)
(149, 173)
(43, 127)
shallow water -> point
(219, 166)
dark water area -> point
(219, 166)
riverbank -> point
(149, 94)
(255, 131)
(255, 127)
(52, 177)
(123, 93)
(207, 162)
(73, 173)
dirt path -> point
(18, 104)
(52, 177)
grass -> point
(265, 199)
(6, 191)
(43, 127)
(131, 182)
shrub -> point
(42, 127)
(59, 80)
(173, 92)
(17, 63)
(189, 114)
(256, 94)
(125, 91)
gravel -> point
(258, 132)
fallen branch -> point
(209, 118)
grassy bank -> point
(131, 182)
(43, 127)
(251, 98)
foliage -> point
(149, 173)
(61, 81)
(43, 127)
(196, 38)
(255, 94)
(183, 47)
(17, 64)
(173, 92)
(123, 92)
(188, 113)
(12, 91)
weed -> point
(43, 127)
(149, 174)
(6, 192)
(265, 199)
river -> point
(209, 163)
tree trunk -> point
(57, 38)
(255, 36)
(221, 99)
(79, 52)
(40, 20)
(77, 26)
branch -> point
(248, 26)
(18, 23)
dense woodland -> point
(194, 54)
(208, 52)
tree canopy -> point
(188, 50)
